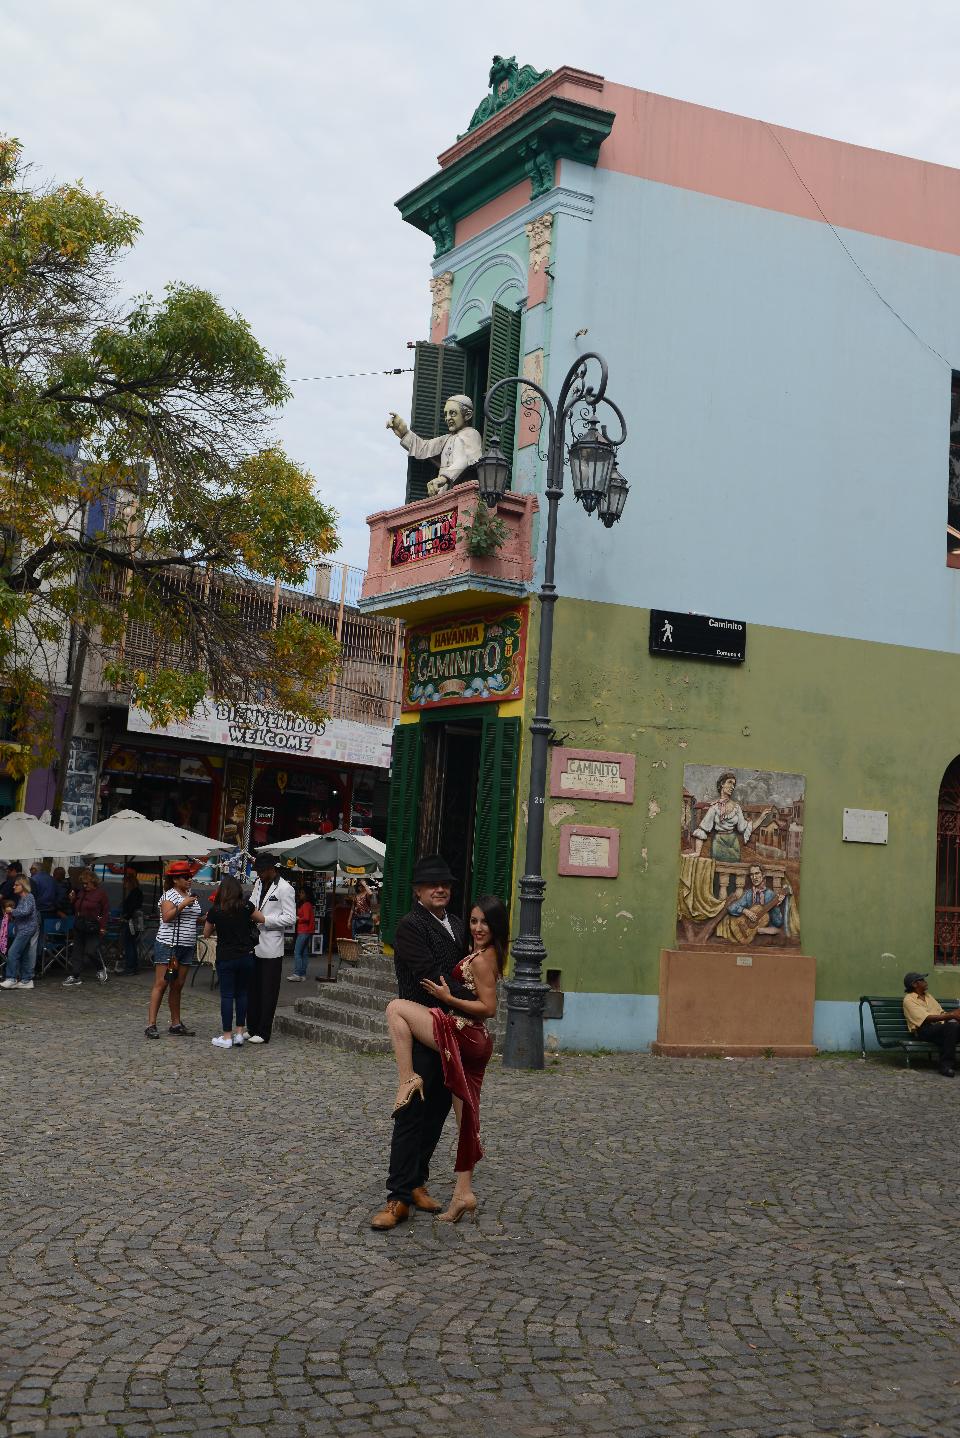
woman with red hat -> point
(175, 949)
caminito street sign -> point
(697, 636)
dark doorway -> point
(451, 761)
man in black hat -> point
(927, 1020)
(428, 942)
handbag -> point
(84, 926)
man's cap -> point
(910, 979)
(266, 861)
(431, 869)
(180, 869)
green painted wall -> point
(870, 726)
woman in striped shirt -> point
(175, 949)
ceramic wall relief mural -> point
(740, 843)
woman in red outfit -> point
(460, 1036)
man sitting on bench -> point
(926, 1020)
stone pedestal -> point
(745, 1004)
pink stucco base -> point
(512, 562)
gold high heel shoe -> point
(412, 1086)
(458, 1207)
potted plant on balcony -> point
(485, 533)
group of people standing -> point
(250, 934)
(25, 902)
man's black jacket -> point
(422, 949)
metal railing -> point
(367, 686)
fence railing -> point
(367, 686)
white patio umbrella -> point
(24, 837)
(129, 835)
(284, 846)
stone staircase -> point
(349, 1013)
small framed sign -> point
(263, 814)
(592, 774)
(698, 636)
(589, 851)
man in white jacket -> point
(274, 898)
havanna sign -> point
(471, 659)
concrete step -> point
(334, 1035)
(347, 993)
(383, 978)
(334, 1011)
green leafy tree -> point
(140, 481)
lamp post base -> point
(523, 1043)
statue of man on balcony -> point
(454, 453)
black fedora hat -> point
(432, 869)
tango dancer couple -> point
(447, 986)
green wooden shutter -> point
(496, 809)
(438, 372)
(403, 810)
(504, 360)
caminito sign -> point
(435, 535)
(697, 636)
(467, 660)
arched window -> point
(946, 942)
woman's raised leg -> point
(407, 1021)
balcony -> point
(419, 564)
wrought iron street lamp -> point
(602, 490)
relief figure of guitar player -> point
(741, 836)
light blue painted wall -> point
(788, 436)
(628, 1023)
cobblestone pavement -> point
(664, 1247)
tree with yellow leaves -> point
(139, 479)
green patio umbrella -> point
(329, 853)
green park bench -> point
(891, 1029)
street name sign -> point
(698, 636)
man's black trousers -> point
(945, 1036)
(262, 995)
(417, 1128)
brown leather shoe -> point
(393, 1213)
(423, 1201)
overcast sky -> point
(263, 146)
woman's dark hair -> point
(303, 891)
(495, 915)
(230, 894)
(723, 779)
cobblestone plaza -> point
(663, 1246)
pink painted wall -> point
(736, 158)
(506, 204)
(513, 561)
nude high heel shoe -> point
(458, 1207)
(406, 1092)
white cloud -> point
(263, 147)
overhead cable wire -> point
(356, 374)
(850, 255)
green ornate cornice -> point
(527, 148)
(507, 81)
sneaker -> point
(25, 984)
(295, 978)
(239, 1040)
(71, 983)
(219, 1042)
(151, 1032)
(8, 984)
(253, 1039)
(182, 1030)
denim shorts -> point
(185, 953)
